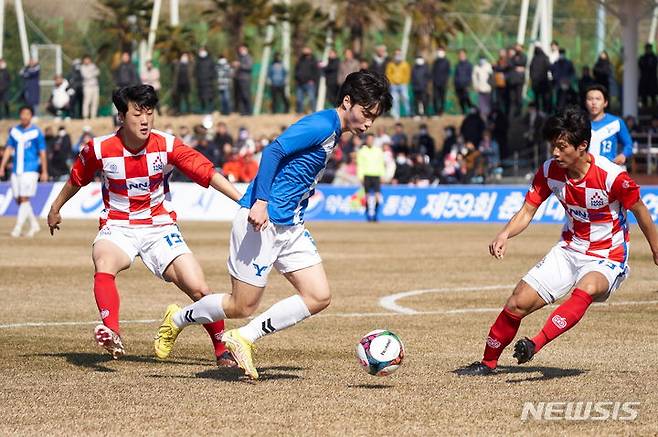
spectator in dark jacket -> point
(516, 78)
(563, 77)
(306, 77)
(420, 77)
(242, 83)
(75, 83)
(440, 76)
(379, 60)
(30, 74)
(182, 81)
(126, 73)
(541, 86)
(5, 82)
(648, 64)
(331, 76)
(586, 80)
(603, 70)
(276, 77)
(206, 80)
(463, 80)
(472, 127)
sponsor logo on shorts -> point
(492, 342)
(259, 269)
(559, 321)
(105, 313)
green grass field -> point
(56, 381)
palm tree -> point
(122, 23)
(231, 16)
(309, 23)
(359, 16)
(432, 24)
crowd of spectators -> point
(420, 89)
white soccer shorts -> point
(157, 246)
(562, 268)
(24, 184)
(252, 254)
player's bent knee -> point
(518, 306)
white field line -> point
(396, 310)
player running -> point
(28, 146)
(608, 131)
(591, 257)
(135, 164)
(268, 231)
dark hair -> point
(571, 125)
(28, 107)
(143, 96)
(368, 89)
(598, 87)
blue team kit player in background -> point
(27, 144)
(268, 231)
(610, 137)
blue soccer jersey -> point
(607, 135)
(292, 166)
(27, 143)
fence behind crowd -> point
(441, 204)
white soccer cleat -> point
(15, 233)
(110, 341)
(33, 230)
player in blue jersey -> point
(268, 231)
(610, 137)
(28, 146)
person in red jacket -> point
(135, 164)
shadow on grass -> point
(370, 386)
(528, 373)
(98, 362)
(235, 374)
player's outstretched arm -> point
(5, 159)
(647, 226)
(514, 227)
(54, 217)
(224, 186)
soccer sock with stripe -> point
(563, 318)
(501, 334)
(206, 310)
(281, 315)
(107, 300)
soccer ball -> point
(380, 352)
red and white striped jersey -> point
(135, 185)
(595, 206)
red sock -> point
(563, 318)
(215, 331)
(501, 334)
(107, 300)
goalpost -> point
(50, 61)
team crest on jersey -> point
(595, 198)
(157, 164)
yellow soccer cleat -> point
(242, 350)
(167, 333)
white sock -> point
(281, 315)
(208, 309)
(30, 215)
(21, 216)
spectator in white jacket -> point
(482, 74)
(59, 103)
(90, 89)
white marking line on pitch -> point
(415, 313)
(389, 302)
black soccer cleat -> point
(524, 350)
(475, 369)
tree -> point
(231, 17)
(123, 23)
(359, 16)
(432, 24)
